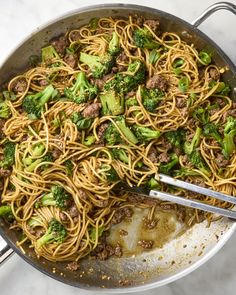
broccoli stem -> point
(127, 133)
(49, 53)
(112, 103)
(190, 146)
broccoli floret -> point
(6, 212)
(9, 95)
(151, 98)
(197, 160)
(112, 135)
(201, 114)
(82, 123)
(144, 39)
(56, 233)
(58, 197)
(132, 101)
(153, 184)
(8, 155)
(49, 54)
(69, 167)
(94, 233)
(183, 171)
(31, 163)
(93, 23)
(145, 134)
(189, 147)
(176, 138)
(229, 133)
(183, 84)
(120, 154)
(34, 104)
(35, 221)
(222, 89)
(5, 112)
(89, 140)
(210, 130)
(154, 56)
(82, 91)
(126, 131)
(112, 103)
(99, 65)
(166, 168)
(109, 173)
(114, 47)
(128, 81)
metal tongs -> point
(156, 194)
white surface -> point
(18, 18)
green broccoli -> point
(82, 123)
(49, 54)
(9, 95)
(143, 39)
(58, 197)
(109, 172)
(99, 65)
(112, 103)
(210, 130)
(6, 212)
(183, 84)
(35, 221)
(5, 112)
(34, 104)
(112, 135)
(153, 184)
(151, 98)
(128, 81)
(8, 155)
(131, 101)
(189, 147)
(69, 167)
(145, 134)
(120, 154)
(183, 171)
(56, 233)
(31, 162)
(197, 160)
(114, 47)
(89, 140)
(229, 134)
(204, 57)
(176, 138)
(82, 91)
(93, 233)
(154, 56)
(166, 168)
(201, 114)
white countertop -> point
(18, 18)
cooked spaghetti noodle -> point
(84, 146)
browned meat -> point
(165, 206)
(137, 199)
(71, 60)
(177, 151)
(232, 111)
(214, 74)
(101, 130)
(19, 85)
(164, 158)
(145, 244)
(185, 160)
(139, 20)
(122, 58)
(152, 155)
(5, 172)
(180, 102)
(60, 45)
(75, 36)
(157, 81)
(118, 250)
(73, 211)
(123, 232)
(121, 214)
(63, 216)
(220, 102)
(150, 223)
(92, 110)
(43, 82)
(103, 251)
(130, 94)
(154, 25)
(2, 123)
(82, 194)
(100, 82)
(199, 182)
(72, 266)
(221, 161)
(56, 153)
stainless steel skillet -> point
(129, 274)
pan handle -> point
(5, 251)
(213, 8)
